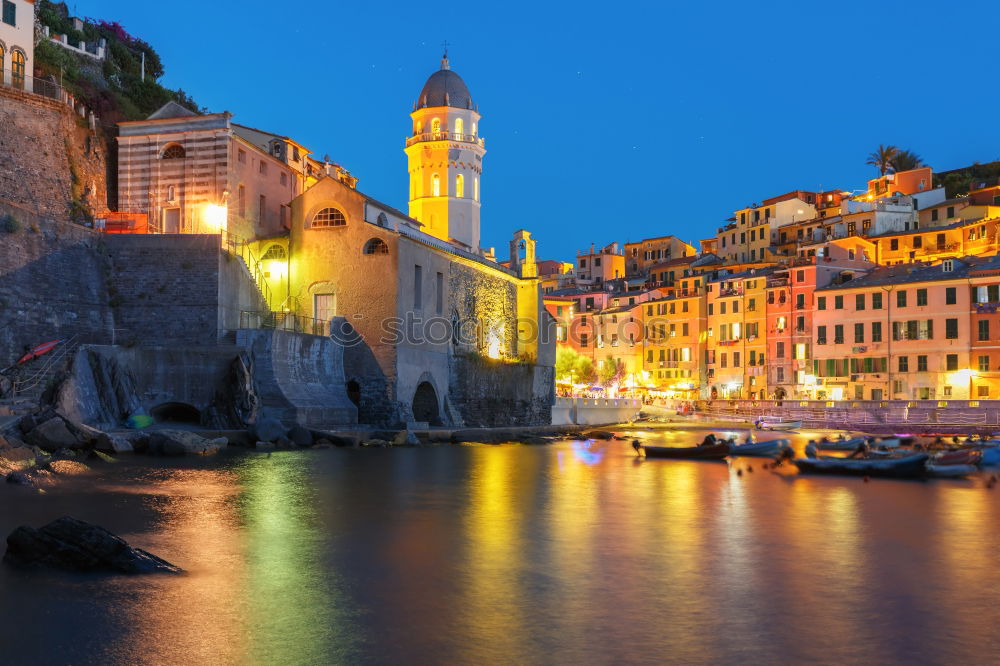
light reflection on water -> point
(569, 552)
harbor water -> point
(574, 552)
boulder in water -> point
(268, 429)
(52, 435)
(300, 436)
(68, 543)
(182, 442)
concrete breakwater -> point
(890, 416)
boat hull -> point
(910, 467)
(760, 449)
(714, 452)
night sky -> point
(603, 121)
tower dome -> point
(445, 88)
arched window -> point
(420, 127)
(274, 253)
(475, 189)
(3, 54)
(435, 185)
(376, 246)
(17, 69)
(329, 217)
(459, 127)
(460, 185)
(174, 151)
(436, 126)
(171, 192)
(474, 127)
(382, 220)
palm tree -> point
(904, 160)
(882, 158)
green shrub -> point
(9, 224)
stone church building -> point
(433, 329)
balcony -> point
(445, 136)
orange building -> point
(674, 341)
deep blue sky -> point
(603, 121)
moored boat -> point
(710, 452)
(775, 424)
(853, 443)
(959, 457)
(767, 449)
(907, 467)
(950, 471)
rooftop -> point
(889, 276)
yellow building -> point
(445, 155)
(674, 340)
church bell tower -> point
(445, 159)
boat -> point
(853, 443)
(711, 452)
(958, 457)
(767, 449)
(765, 424)
(907, 467)
(950, 471)
(991, 455)
(841, 444)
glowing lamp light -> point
(494, 344)
(963, 375)
(277, 268)
(216, 216)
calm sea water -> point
(569, 553)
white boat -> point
(774, 424)
(767, 449)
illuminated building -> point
(445, 155)
(641, 256)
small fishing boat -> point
(950, 471)
(991, 455)
(841, 444)
(711, 452)
(959, 457)
(907, 467)
(775, 424)
(767, 449)
(853, 443)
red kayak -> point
(39, 350)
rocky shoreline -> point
(38, 448)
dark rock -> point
(405, 438)
(68, 543)
(14, 450)
(19, 478)
(284, 443)
(323, 443)
(268, 429)
(598, 434)
(113, 444)
(300, 436)
(52, 435)
(182, 442)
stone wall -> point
(52, 283)
(176, 289)
(50, 157)
(495, 393)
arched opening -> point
(329, 217)
(354, 392)
(174, 151)
(175, 412)
(376, 246)
(459, 186)
(459, 128)
(382, 220)
(425, 404)
(436, 126)
(17, 69)
(435, 185)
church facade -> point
(435, 330)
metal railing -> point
(30, 380)
(444, 136)
(239, 247)
(44, 87)
(284, 321)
